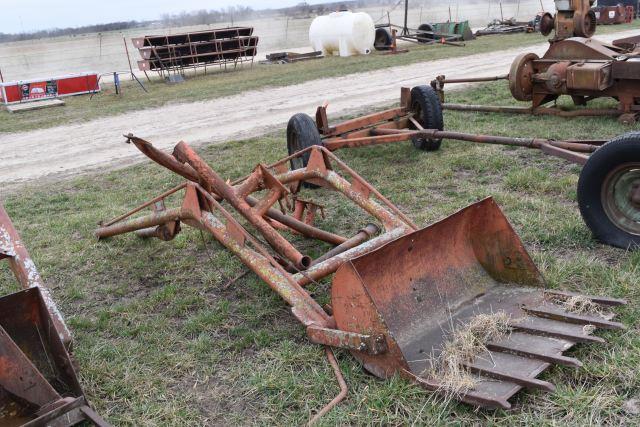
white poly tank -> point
(346, 33)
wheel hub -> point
(621, 197)
(520, 76)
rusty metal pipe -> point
(572, 145)
(484, 139)
(571, 156)
(301, 227)
(265, 204)
(473, 79)
(185, 153)
(186, 171)
(341, 382)
(144, 205)
(338, 143)
(148, 221)
(150, 232)
(303, 306)
(329, 266)
(163, 159)
(589, 112)
(359, 238)
(528, 110)
(189, 173)
(372, 189)
(388, 219)
(486, 108)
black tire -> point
(383, 39)
(302, 133)
(424, 37)
(607, 182)
(425, 104)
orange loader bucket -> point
(420, 288)
(37, 378)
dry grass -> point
(161, 340)
(466, 343)
(580, 304)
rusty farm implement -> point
(575, 65)
(38, 382)
(398, 291)
(609, 185)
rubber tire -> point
(302, 133)
(622, 149)
(431, 118)
(427, 37)
(383, 39)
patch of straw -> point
(580, 304)
(467, 341)
(588, 329)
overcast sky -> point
(28, 15)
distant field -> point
(162, 339)
(104, 53)
(219, 84)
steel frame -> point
(286, 270)
(178, 52)
(399, 124)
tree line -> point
(199, 17)
(99, 28)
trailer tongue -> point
(608, 185)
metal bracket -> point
(357, 186)
(405, 98)
(370, 344)
(322, 123)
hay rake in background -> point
(38, 382)
(609, 185)
(398, 291)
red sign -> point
(49, 88)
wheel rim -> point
(621, 197)
(520, 76)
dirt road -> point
(72, 149)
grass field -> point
(162, 339)
(219, 84)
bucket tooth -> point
(473, 397)
(553, 328)
(531, 383)
(550, 358)
(418, 289)
(550, 312)
(594, 298)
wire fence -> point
(105, 53)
